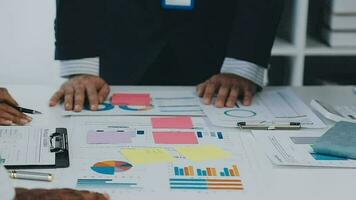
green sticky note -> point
(203, 153)
(147, 155)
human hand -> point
(58, 194)
(229, 88)
(8, 114)
(75, 90)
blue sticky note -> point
(339, 140)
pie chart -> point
(111, 167)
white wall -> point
(27, 42)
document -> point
(26, 146)
(295, 149)
(147, 103)
(270, 107)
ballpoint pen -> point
(21, 109)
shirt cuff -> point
(88, 66)
(245, 69)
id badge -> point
(178, 4)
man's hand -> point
(229, 88)
(75, 90)
(8, 114)
(57, 194)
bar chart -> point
(105, 183)
(191, 171)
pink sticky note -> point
(131, 99)
(172, 122)
(108, 137)
(175, 138)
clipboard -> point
(59, 146)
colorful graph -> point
(136, 108)
(205, 184)
(111, 167)
(240, 113)
(102, 107)
(207, 172)
(105, 183)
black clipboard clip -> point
(59, 142)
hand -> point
(58, 194)
(76, 88)
(229, 87)
(8, 114)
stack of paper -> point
(340, 18)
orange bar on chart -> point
(209, 171)
(186, 171)
(232, 173)
(191, 170)
(214, 172)
(236, 170)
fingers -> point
(222, 96)
(94, 196)
(5, 96)
(68, 97)
(79, 98)
(56, 98)
(9, 116)
(103, 93)
(200, 89)
(233, 96)
(209, 93)
(93, 97)
(248, 95)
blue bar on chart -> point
(104, 183)
(140, 132)
(208, 171)
(200, 134)
(220, 135)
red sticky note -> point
(131, 99)
(175, 138)
(172, 122)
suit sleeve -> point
(78, 28)
(254, 29)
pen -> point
(287, 126)
(35, 176)
(24, 110)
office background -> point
(300, 55)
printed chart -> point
(111, 167)
(190, 177)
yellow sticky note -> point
(147, 155)
(203, 153)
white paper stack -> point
(340, 21)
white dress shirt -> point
(242, 68)
(6, 190)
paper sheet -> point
(203, 153)
(294, 148)
(279, 106)
(26, 146)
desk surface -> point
(275, 182)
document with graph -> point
(146, 103)
(158, 158)
(269, 107)
(293, 148)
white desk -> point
(276, 182)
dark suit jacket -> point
(140, 42)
